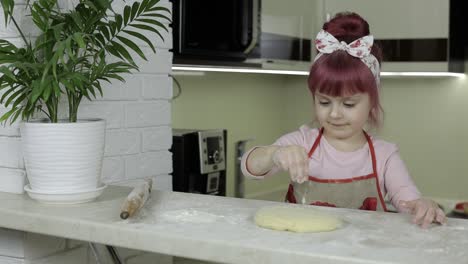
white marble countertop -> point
(221, 229)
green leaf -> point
(101, 41)
(91, 5)
(69, 49)
(9, 58)
(6, 94)
(160, 8)
(133, 46)
(13, 97)
(143, 6)
(105, 32)
(92, 91)
(127, 13)
(135, 7)
(121, 50)
(147, 28)
(111, 49)
(104, 4)
(8, 6)
(142, 37)
(57, 30)
(153, 22)
(7, 47)
(19, 100)
(77, 19)
(115, 76)
(5, 116)
(118, 21)
(98, 87)
(38, 87)
(19, 111)
(88, 97)
(37, 19)
(8, 73)
(122, 64)
(113, 27)
(41, 13)
(67, 84)
(78, 37)
(152, 3)
(55, 88)
(59, 55)
(105, 79)
(156, 15)
(44, 43)
(46, 94)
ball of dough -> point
(296, 219)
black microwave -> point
(215, 29)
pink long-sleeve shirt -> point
(329, 163)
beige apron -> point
(359, 192)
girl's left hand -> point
(425, 212)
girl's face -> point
(342, 117)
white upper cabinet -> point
(414, 34)
(398, 19)
(288, 18)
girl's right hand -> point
(294, 160)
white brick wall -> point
(137, 113)
(138, 137)
(10, 152)
(8, 129)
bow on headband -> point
(326, 43)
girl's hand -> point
(294, 160)
(425, 212)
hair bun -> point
(349, 26)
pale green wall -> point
(425, 117)
(247, 105)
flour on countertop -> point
(191, 215)
(174, 212)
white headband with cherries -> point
(326, 43)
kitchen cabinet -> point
(416, 36)
(398, 19)
(287, 29)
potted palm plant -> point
(74, 51)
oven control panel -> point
(212, 152)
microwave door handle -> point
(254, 37)
(244, 23)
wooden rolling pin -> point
(136, 199)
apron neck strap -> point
(317, 141)
(372, 151)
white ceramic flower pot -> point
(63, 157)
(13, 180)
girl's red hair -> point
(340, 74)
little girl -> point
(339, 164)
